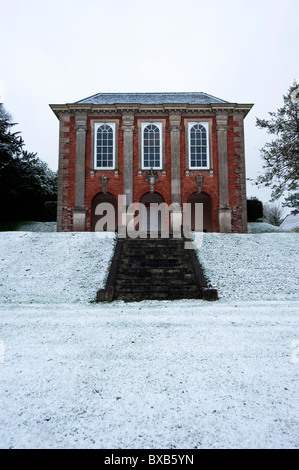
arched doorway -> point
(201, 198)
(153, 216)
(104, 213)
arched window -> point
(198, 145)
(151, 146)
(104, 146)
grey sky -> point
(61, 51)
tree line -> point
(28, 187)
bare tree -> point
(273, 213)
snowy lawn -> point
(253, 266)
(263, 227)
(53, 267)
(183, 374)
(28, 226)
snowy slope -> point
(53, 267)
(251, 266)
(71, 267)
(291, 221)
(264, 227)
(156, 375)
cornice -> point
(139, 109)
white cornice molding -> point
(139, 109)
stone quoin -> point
(175, 148)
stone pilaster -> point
(175, 132)
(128, 129)
(224, 209)
(79, 212)
(239, 129)
(64, 118)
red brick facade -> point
(226, 148)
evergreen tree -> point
(292, 201)
(11, 143)
(254, 209)
(26, 182)
(281, 156)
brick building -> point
(152, 148)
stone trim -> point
(62, 175)
(175, 156)
(96, 109)
(240, 157)
(128, 132)
(224, 209)
(79, 214)
(80, 129)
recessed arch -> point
(201, 198)
(151, 202)
(96, 214)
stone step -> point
(180, 283)
(151, 254)
(158, 256)
(159, 269)
(155, 272)
(136, 297)
(179, 251)
(150, 260)
(153, 241)
(160, 288)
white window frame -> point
(96, 126)
(206, 126)
(143, 126)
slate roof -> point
(151, 98)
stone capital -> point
(222, 128)
(127, 128)
(175, 128)
(81, 119)
(80, 128)
(128, 120)
(221, 121)
(175, 120)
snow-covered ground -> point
(290, 222)
(184, 374)
(264, 227)
(253, 266)
(53, 267)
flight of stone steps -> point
(160, 269)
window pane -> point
(198, 146)
(151, 146)
(104, 146)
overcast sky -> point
(60, 51)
